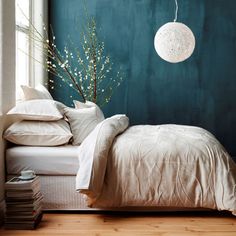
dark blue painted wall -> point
(200, 91)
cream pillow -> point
(38, 109)
(88, 104)
(82, 122)
(40, 92)
(39, 133)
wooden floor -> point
(103, 224)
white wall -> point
(1, 172)
(7, 76)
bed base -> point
(60, 195)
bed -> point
(112, 165)
(164, 167)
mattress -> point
(61, 160)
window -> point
(29, 59)
(22, 45)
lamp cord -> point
(176, 10)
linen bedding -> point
(155, 166)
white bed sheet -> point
(61, 160)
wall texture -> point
(7, 79)
(200, 91)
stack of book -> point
(23, 203)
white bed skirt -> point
(59, 194)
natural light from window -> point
(22, 44)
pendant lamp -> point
(174, 41)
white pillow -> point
(38, 109)
(82, 122)
(88, 104)
(39, 133)
(40, 92)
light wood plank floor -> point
(104, 224)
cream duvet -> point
(155, 166)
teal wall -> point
(200, 91)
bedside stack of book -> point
(23, 203)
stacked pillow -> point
(42, 120)
(42, 124)
(39, 133)
(37, 109)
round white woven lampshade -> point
(174, 42)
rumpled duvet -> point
(155, 166)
